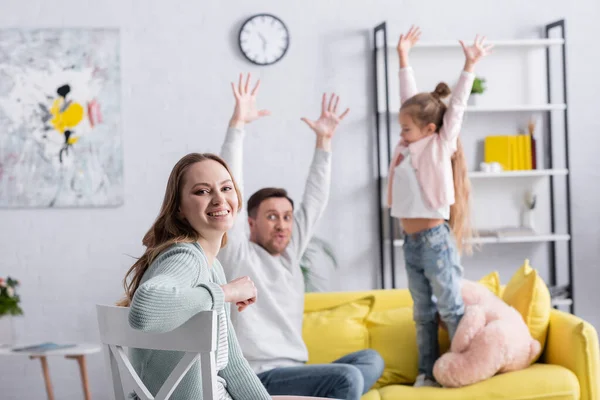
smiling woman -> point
(192, 188)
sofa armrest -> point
(573, 344)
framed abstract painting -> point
(60, 118)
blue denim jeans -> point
(434, 280)
(347, 378)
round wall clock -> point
(264, 39)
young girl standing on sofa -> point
(427, 186)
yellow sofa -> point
(338, 323)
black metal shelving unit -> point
(562, 293)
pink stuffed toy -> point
(491, 338)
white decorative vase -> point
(527, 219)
(7, 331)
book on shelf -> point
(509, 231)
(512, 152)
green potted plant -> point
(319, 252)
(477, 89)
(9, 307)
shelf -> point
(545, 100)
(562, 302)
(524, 239)
(511, 239)
(507, 108)
(497, 43)
(534, 173)
(517, 108)
(518, 174)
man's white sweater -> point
(270, 331)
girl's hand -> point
(407, 42)
(475, 52)
(245, 104)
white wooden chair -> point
(197, 338)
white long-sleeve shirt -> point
(270, 331)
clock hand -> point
(264, 41)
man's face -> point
(271, 228)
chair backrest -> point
(196, 338)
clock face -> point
(264, 39)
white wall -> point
(177, 61)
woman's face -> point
(209, 201)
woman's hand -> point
(245, 110)
(475, 52)
(241, 305)
(240, 291)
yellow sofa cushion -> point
(539, 381)
(335, 332)
(394, 337)
(492, 282)
(515, 282)
(372, 394)
(385, 299)
(529, 295)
